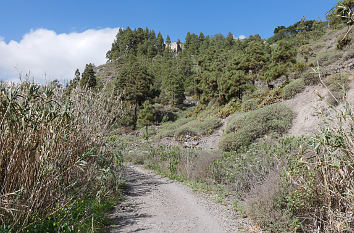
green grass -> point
(244, 128)
(86, 215)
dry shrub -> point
(310, 78)
(201, 169)
(50, 154)
(343, 41)
(228, 109)
(320, 182)
(262, 205)
(177, 163)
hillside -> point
(189, 146)
(214, 134)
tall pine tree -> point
(88, 79)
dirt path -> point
(156, 204)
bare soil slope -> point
(307, 103)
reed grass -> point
(51, 151)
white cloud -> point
(48, 55)
(241, 37)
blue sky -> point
(175, 18)
(51, 38)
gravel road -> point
(156, 204)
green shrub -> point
(190, 126)
(337, 85)
(79, 216)
(244, 128)
(299, 67)
(168, 129)
(260, 92)
(249, 105)
(293, 88)
(198, 127)
(187, 129)
(248, 167)
(313, 189)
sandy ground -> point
(156, 204)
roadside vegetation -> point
(57, 174)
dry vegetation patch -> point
(51, 156)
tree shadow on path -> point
(130, 212)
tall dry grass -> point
(51, 150)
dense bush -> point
(296, 184)
(50, 154)
(244, 128)
(293, 88)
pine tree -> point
(179, 47)
(172, 83)
(230, 40)
(134, 82)
(168, 41)
(76, 79)
(88, 79)
(201, 37)
(188, 41)
(160, 44)
(146, 116)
